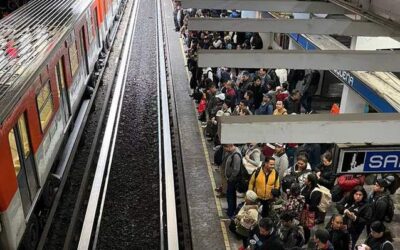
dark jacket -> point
(212, 105)
(273, 242)
(260, 239)
(312, 198)
(363, 212)
(291, 236)
(379, 203)
(376, 244)
(327, 178)
(292, 106)
(340, 239)
(258, 94)
(329, 247)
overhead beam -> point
(267, 5)
(297, 59)
(370, 14)
(316, 128)
(302, 26)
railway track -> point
(81, 145)
(85, 214)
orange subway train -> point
(48, 52)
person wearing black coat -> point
(325, 176)
(379, 238)
(339, 237)
(292, 102)
(265, 236)
(356, 212)
(379, 201)
(325, 172)
(312, 198)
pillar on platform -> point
(351, 102)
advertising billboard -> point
(369, 160)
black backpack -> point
(243, 177)
(219, 156)
(288, 180)
(389, 209)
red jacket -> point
(202, 106)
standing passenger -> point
(263, 181)
(379, 202)
(325, 172)
(232, 167)
(379, 238)
(357, 213)
(281, 160)
(292, 103)
(339, 236)
(265, 236)
(312, 198)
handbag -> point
(307, 218)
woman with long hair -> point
(356, 212)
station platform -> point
(208, 220)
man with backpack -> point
(262, 181)
(291, 234)
(381, 204)
(232, 163)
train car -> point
(48, 51)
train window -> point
(60, 76)
(14, 152)
(73, 57)
(24, 136)
(44, 101)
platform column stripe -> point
(210, 170)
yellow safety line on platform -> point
(210, 170)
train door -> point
(62, 91)
(24, 163)
(83, 49)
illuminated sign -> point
(369, 160)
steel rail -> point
(108, 143)
(185, 239)
(172, 227)
(85, 179)
(69, 155)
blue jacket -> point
(265, 109)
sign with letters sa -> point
(364, 160)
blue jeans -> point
(231, 198)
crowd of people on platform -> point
(285, 207)
(288, 189)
